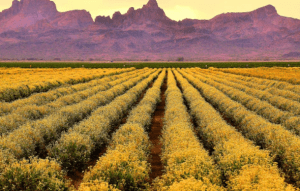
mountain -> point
(35, 29)
(27, 13)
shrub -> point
(180, 59)
(34, 174)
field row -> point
(18, 83)
(221, 131)
(291, 75)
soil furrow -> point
(154, 135)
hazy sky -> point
(176, 9)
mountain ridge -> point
(35, 29)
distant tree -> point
(180, 59)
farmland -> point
(91, 129)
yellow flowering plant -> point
(34, 174)
(192, 184)
(257, 178)
(97, 185)
(6, 158)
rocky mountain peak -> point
(46, 8)
(130, 11)
(151, 11)
(13, 10)
(269, 9)
(264, 12)
(15, 3)
(152, 3)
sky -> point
(176, 9)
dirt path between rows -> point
(155, 133)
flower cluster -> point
(97, 185)
(257, 178)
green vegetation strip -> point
(139, 65)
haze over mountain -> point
(35, 29)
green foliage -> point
(140, 65)
(180, 59)
(73, 152)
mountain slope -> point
(35, 29)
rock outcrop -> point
(148, 13)
(72, 19)
(32, 13)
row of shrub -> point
(32, 138)
(22, 85)
(125, 165)
(278, 101)
(31, 112)
(282, 144)
(54, 94)
(75, 146)
(46, 174)
(263, 108)
(239, 159)
(185, 160)
(276, 77)
(273, 87)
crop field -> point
(106, 129)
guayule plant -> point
(34, 174)
(5, 158)
(72, 151)
(97, 185)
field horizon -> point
(149, 64)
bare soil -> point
(155, 133)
